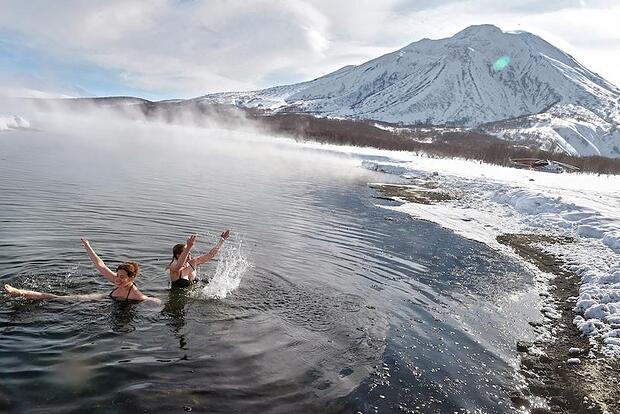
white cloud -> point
(194, 47)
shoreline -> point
(586, 384)
(566, 372)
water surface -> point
(340, 309)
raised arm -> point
(211, 254)
(176, 266)
(101, 267)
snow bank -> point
(11, 122)
(499, 200)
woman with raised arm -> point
(123, 279)
(183, 266)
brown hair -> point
(176, 251)
(131, 268)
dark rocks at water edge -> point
(556, 370)
(523, 346)
(519, 400)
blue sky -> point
(40, 69)
(159, 49)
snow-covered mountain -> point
(514, 85)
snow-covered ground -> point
(11, 122)
(570, 128)
(496, 200)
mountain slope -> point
(479, 76)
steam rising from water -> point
(231, 268)
(123, 133)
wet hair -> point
(176, 251)
(131, 268)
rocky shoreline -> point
(565, 372)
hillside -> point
(514, 85)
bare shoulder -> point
(141, 296)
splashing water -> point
(228, 274)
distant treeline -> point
(450, 143)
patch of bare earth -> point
(424, 192)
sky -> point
(165, 49)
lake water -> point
(338, 309)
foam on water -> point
(231, 267)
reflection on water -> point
(174, 311)
(325, 307)
(122, 316)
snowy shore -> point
(12, 122)
(496, 200)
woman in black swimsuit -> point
(123, 279)
(183, 266)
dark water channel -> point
(340, 311)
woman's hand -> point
(191, 240)
(206, 257)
